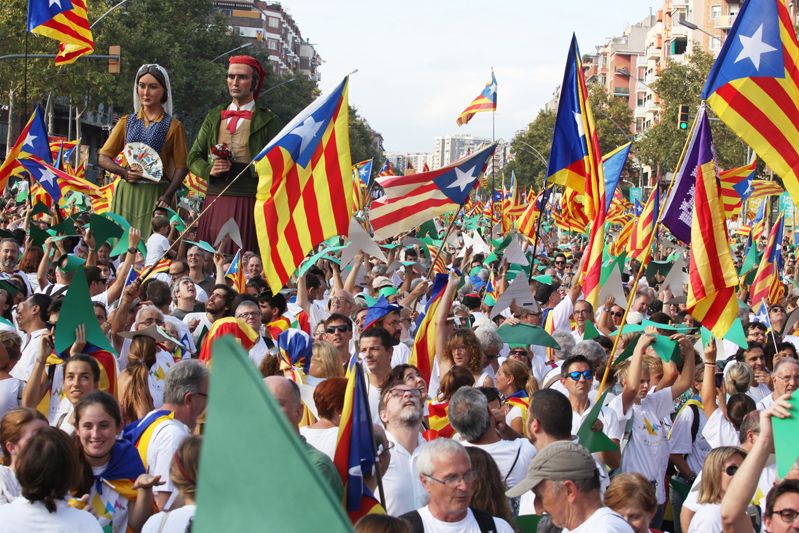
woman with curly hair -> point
(463, 349)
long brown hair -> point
(522, 377)
(466, 337)
(135, 399)
(489, 489)
(185, 465)
(48, 467)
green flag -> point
(595, 441)
(253, 466)
(590, 332)
(609, 262)
(104, 230)
(786, 445)
(427, 228)
(523, 334)
(77, 309)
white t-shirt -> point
(504, 453)
(765, 403)
(404, 491)
(10, 393)
(323, 440)
(758, 392)
(9, 486)
(30, 351)
(157, 245)
(680, 438)
(24, 516)
(603, 519)
(170, 522)
(719, 431)
(647, 451)
(163, 444)
(707, 519)
(400, 354)
(467, 525)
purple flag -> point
(678, 209)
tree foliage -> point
(530, 148)
(682, 84)
(612, 117)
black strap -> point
(484, 521)
(518, 452)
(415, 519)
(695, 423)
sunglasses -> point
(731, 470)
(615, 313)
(587, 374)
(518, 353)
(332, 329)
(560, 262)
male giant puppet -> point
(245, 129)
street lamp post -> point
(692, 26)
(223, 54)
(112, 8)
(534, 151)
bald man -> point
(287, 394)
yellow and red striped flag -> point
(754, 86)
(641, 238)
(424, 345)
(196, 184)
(66, 22)
(763, 188)
(485, 101)
(730, 195)
(712, 279)
(304, 193)
(622, 240)
(767, 285)
(243, 333)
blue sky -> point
(421, 62)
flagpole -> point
(634, 286)
(538, 229)
(493, 171)
(149, 270)
(443, 242)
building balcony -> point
(724, 22)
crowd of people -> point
(499, 432)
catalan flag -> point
(244, 334)
(485, 101)
(612, 166)
(642, 236)
(526, 223)
(196, 184)
(355, 454)
(754, 86)
(575, 161)
(387, 169)
(735, 187)
(357, 191)
(236, 272)
(767, 285)
(712, 279)
(763, 188)
(61, 150)
(161, 266)
(32, 141)
(102, 203)
(66, 22)
(438, 421)
(304, 193)
(622, 240)
(364, 170)
(425, 342)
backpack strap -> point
(515, 460)
(485, 521)
(695, 423)
(415, 519)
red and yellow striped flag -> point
(68, 24)
(729, 195)
(424, 345)
(196, 184)
(767, 285)
(622, 240)
(641, 238)
(304, 193)
(712, 279)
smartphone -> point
(719, 379)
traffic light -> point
(114, 62)
(682, 117)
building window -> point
(272, 44)
(715, 12)
(715, 43)
(273, 22)
(678, 46)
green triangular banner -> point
(241, 487)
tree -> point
(530, 149)
(612, 118)
(682, 84)
(365, 143)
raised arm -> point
(122, 274)
(352, 277)
(744, 483)
(686, 377)
(441, 322)
(708, 391)
(37, 385)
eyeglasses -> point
(250, 314)
(151, 321)
(400, 393)
(560, 262)
(776, 310)
(341, 328)
(454, 480)
(787, 515)
(518, 353)
(788, 379)
(587, 374)
(731, 470)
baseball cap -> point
(559, 461)
(381, 281)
